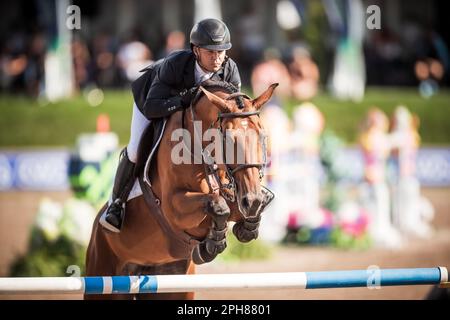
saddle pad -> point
(136, 191)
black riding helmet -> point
(211, 34)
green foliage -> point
(303, 235)
(313, 33)
(344, 117)
(336, 237)
(24, 122)
(94, 184)
(46, 258)
(58, 239)
(330, 147)
(343, 240)
(238, 251)
(307, 236)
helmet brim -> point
(216, 47)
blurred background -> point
(359, 137)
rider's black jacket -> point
(156, 92)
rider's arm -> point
(161, 101)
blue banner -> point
(34, 170)
(48, 170)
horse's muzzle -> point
(250, 204)
(247, 229)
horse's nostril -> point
(245, 202)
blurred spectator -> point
(374, 142)
(271, 70)
(429, 72)
(81, 63)
(22, 65)
(412, 213)
(250, 39)
(133, 56)
(175, 40)
(304, 75)
(12, 69)
(103, 52)
(34, 72)
(304, 181)
(385, 60)
(432, 65)
(278, 128)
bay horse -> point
(181, 220)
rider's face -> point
(210, 60)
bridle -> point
(211, 168)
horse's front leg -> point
(246, 229)
(196, 203)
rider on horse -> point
(167, 86)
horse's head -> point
(243, 156)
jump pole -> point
(204, 282)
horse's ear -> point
(220, 103)
(264, 97)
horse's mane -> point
(219, 85)
(216, 85)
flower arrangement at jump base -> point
(341, 221)
(346, 229)
(58, 239)
(386, 209)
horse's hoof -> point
(245, 232)
(207, 250)
(196, 256)
(200, 254)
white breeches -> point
(138, 124)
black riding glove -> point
(187, 96)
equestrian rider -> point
(154, 98)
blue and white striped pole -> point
(204, 282)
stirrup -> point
(108, 225)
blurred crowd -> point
(107, 62)
(22, 61)
(103, 62)
(417, 57)
(403, 59)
